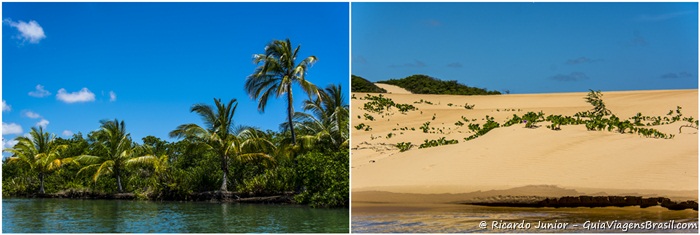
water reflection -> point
(449, 218)
(112, 216)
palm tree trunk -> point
(224, 168)
(224, 187)
(290, 111)
(119, 180)
(41, 183)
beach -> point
(520, 161)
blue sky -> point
(530, 47)
(73, 64)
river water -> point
(21, 215)
(455, 218)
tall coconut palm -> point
(40, 151)
(276, 73)
(115, 147)
(220, 136)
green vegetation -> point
(40, 153)
(423, 102)
(114, 148)
(599, 118)
(362, 126)
(479, 131)
(209, 157)
(359, 84)
(404, 146)
(425, 127)
(692, 123)
(379, 104)
(595, 98)
(403, 108)
(326, 178)
(369, 117)
(308, 157)
(558, 120)
(467, 106)
(220, 136)
(531, 119)
(434, 143)
(422, 84)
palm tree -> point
(328, 119)
(160, 167)
(115, 147)
(40, 151)
(221, 137)
(276, 74)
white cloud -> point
(32, 115)
(11, 128)
(39, 92)
(67, 133)
(32, 31)
(5, 106)
(43, 123)
(83, 95)
(112, 96)
(9, 144)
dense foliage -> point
(359, 84)
(258, 163)
(423, 84)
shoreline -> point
(585, 201)
(209, 196)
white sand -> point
(590, 162)
(391, 89)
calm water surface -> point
(451, 218)
(117, 216)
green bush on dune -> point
(423, 84)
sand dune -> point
(590, 162)
(391, 89)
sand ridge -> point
(590, 162)
(391, 89)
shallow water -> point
(454, 218)
(119, 216)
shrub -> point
(514, 120)
(325, 178)
(363, 126)
(404, 146)
(422, 84)
(595, 98)
(531, 119)
(403, 108)
(425, 127)
(435, 143)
